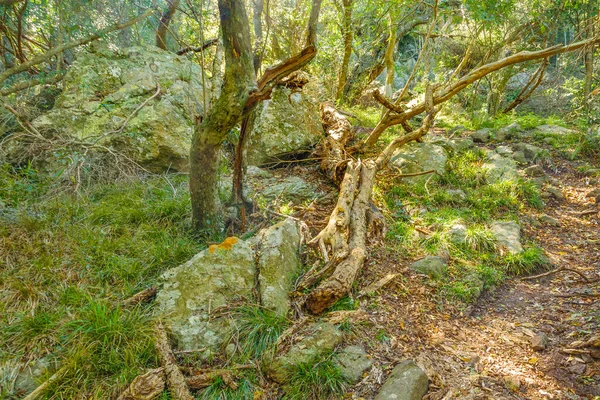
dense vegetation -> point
(93, 211)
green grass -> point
(433, 208)
(530, 260)
(257, 331)
(316, 379)
(219, 390)
(69, 261)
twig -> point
(554, 271)
(141, 297)
(373, 287)
(40, 389)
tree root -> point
(145, 387)
(141, 297)
(554, 271)
(175, 380)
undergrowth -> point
(70, 260)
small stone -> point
(457, 194)
(519, 157)
(352, 362)
(432, 266)
(508, 234)
(578, 369)
(512, 383)
(556, 193)
(504, 150)
(258, 172)
(539, 342)
(535, 171)
(458, 234)
(481, 136)
(507, 132)
(595, 194)
(406, 382)
(546, 219)
(591, 172)
(457, 130)
(473, 361)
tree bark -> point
(535, 80)
(163, 24)
(348, 34)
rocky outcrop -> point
(420, 157)
(406, 382)
(352, 362)
(500, 168)
(287, 122)
(223, 273)
(553, 130)
(482, 135)
(103, 89)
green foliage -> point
(70, 260)
(219, 390)
(316, 379)
(344, 304)
(258, 329)
(531, 259)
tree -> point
(241, 92)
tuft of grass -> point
(257, 331)
(480, 238)
(219, 390)
(344, 304)
(316, 379)
(526, 262)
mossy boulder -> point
(103, 89)
(318, 339)
(279, 264)
(287, 122)
(406, 382)
(420, 157)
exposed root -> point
(175, 379)
(145, 387)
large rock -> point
(432, 266)
(103, 88)
(500, 168)
(454, 144)
(420, 157)
(288, 122)
(406, 382)
(352, 362)
(317, 339)
(553, 130)
(278, 263)
(508, 234)
(223, 273)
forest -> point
(300, 199)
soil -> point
(484, 351)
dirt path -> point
(485, 351)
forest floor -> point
(484, 350)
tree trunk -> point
(389, 63)
(163, 25)
(347, 27)
(204, 184)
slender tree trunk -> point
(389, 63)
(348, 34)
(204, 183)
(163, 25)
(589, 65)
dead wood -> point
(554, 271)
(204, 46)
(42, 388)
(175, 379)
(337, 317)
(205, 379)
(145, 387)
(141, 297)
(375, 286)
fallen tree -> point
(343, 242)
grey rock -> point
(291, 188)
(255, 171)
(457, 130)
(457, 194)
(507, 132)
(158, 136)
(546, 219)
(593, 194)
(318, 338)
(287, 122)
(508, 234)
(531, 152)
(519, 157)
(535, 171)
(221, 274)
(539, 342)
(432, 266)
(406, 382)
(454, 144)
(278, 264)
(458, 234)
(500, 168)
(352, 362)
(482, 135)
(556, 193)
(28, 377)
(592, 172)
(504, 150)
(420, 157)
(553, 130)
